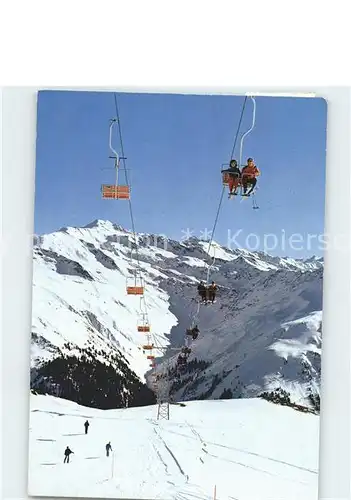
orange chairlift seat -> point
(148, 347)
(135, 285)
(144, 328)
(225, 177)
(143, 324)
(115, 191)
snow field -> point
(249, 449)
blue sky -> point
(175, 145)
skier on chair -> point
(233, 176)
(248, 176)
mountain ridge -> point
(79, 297)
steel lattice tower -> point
(162, 385)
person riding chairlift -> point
(233, 176)
(248, 176)
(194, 332)
(181, 360)
(202, 291)
(212, 289)
(186, 351)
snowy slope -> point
(207, 443)
(248, 337)
(239, 335)
(88, 303)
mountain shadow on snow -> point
(65, 265)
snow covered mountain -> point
(262, 333)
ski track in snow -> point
(179, 459)
(197, 436)
(203, 444)
(161, 459)
(170, 452)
